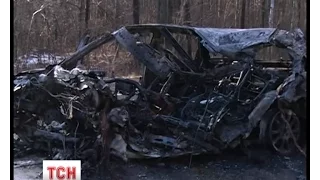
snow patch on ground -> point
(35, 58)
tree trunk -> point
(299, 14)
(201, 12)
(56, 28)
(136, 20)
(187, 21)
(81, 18)
(116, 4)
(174, 7)
(271, 9)
(218, 13)
(136, 11)
(116, 13)
(100, 12)
(162, 13)
(186, 17)
(235, 13)
(87, 17)
(15, 47)
(264, 8)
(243, 14)
(248, 16)
(176, 4)
(293, 17)
(170, 11)
(228, 10)
(105, 11)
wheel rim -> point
(279, 131)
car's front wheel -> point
(283, 131)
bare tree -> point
(160, 7)
(187, 21)
(271, 9)
(186, 13)
(299, 13)
(163, 11)
(243, 14)
(116, 12)
(136, 11)
(293, 14)
(201, 12)
(218, 12)
(81, 17)
(264, 7)
(58, 25)
(87, 14)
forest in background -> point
(47, 26)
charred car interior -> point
(206, 100)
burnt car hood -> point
(232, 41)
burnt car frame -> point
(185, 103)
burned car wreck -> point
(184, 103)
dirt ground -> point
(224, 167)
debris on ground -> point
(182, 104)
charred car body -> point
(185, 103)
